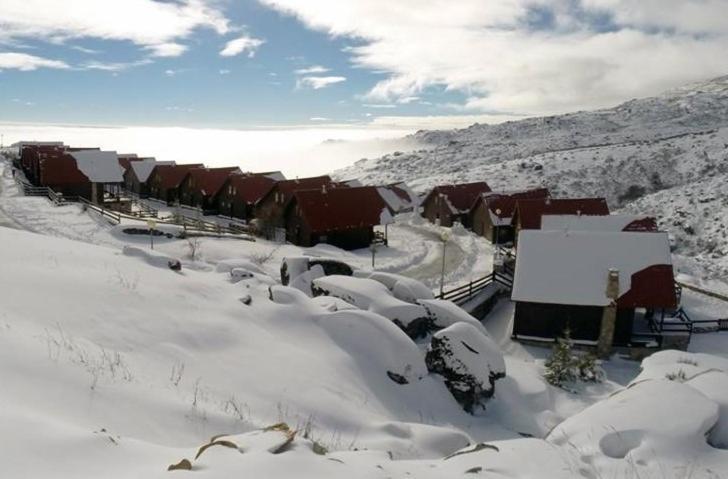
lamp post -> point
(497, 260)
(152, 224)
(373, 248)
(445, 237)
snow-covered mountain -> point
(654, 155)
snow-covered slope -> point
(675, 144)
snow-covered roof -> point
(143, 168)
(598, 223)
(399, 197)
(571, 267)
(99, 166)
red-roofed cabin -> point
(446, 204)
(164, 181)
(492, 213)
(561, 281)
(240, 193)
(343, 217)
(269, 209)
(528, 212)
(200, 187)
(125, 159)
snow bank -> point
(651, 426)
(227, 265)
(402, 287)
(445, 313)
(373, 296)
(153, 258)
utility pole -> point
(445, 237)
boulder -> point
(469, 361)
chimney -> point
(609, 316)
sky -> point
(359, 63)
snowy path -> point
(5, 219)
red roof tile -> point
(530, 211)
(288, 187)
(340, 208)
(250, 188)
(504, 204)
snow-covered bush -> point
(565, 366)
(402, 287)
(469, 361)
(296, 265)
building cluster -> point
(572, 261)
(303, 211)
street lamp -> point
(445, 237)
(152, 224)
(373, 248)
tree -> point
(565, 366)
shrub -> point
(565, 366)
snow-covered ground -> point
(112, 365)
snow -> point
(395, 202)
(571, 267)
(402, 287)
(143, 168)
(473, 352)
(587, 222)
(99, 166)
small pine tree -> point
(560, 366)
(564, 366)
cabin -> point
(342, 217)
(269, 208)
(491, 214)
(529, 212)
(399, 197)
(634, 223)
(136, 177)
(200, 187)
(240, 193)
(164, 181)
(446, 204)
(27, 149)
(561, 281)
(91, 174)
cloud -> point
(311, 70)
(379, 105)
(319, 118)
(147, 23)
(241, 45)
(318, 82)
(25, 62)
(113, 66)
(224, 71)
(166, 49)
(526, 56)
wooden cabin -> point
(200, 187)
(447, 204)
(270, 208)
(90, 174)
(342, 217)
(491, 214)
(529, 212)
(561, 282)
(399, 197)
(164, 181)
(136, 177)
(240, 193)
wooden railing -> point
(466, 292)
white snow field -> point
(112, 365)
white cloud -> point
(166, 49)
(146, 23)
(315, 69)
(25, 62)
(170, 73)
(379, 105)
(526, 56)
(113, 66)
(318, 82)
(224, 72)
(319, 118)
(242, 45)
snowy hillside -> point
(675, 144)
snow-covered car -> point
(373, 296)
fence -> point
(466, 292)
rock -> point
(469, 361)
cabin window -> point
(235, 190)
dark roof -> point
(330, 209)
(504, 204)
(462, 196)
(249, 188)
(59, 168)
(208, 181)
(288, 187)
(172, 175)
(126, 159)
(530, 211)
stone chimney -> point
(609, 316)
